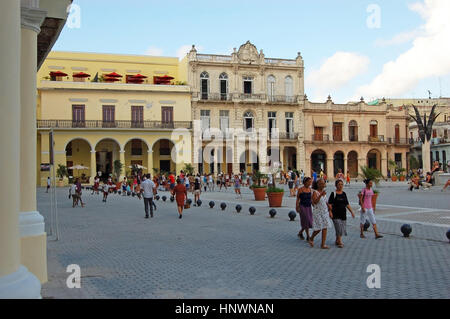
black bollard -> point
(448, 234)
(252, 210)
(238, 208)
(292, 215)
(129, 193)
(212, 204)
(157, 197)
(406, 230)
(199, 203)
(189, 201)
(272, 213)
(172, 199)
(164, 198)
(223, 206)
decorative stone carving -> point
(248, 53)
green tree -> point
(372, 174)
(62, 172)
(118, 168)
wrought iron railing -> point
(376, 139)
(281, 99)
(43, 124)
(399, 141)
(321, 138)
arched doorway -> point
(374, 159)
(106, 152)
(319, 161)
(291, 157)
(249, 162)
(352, 164)
(162, 156)
(78, 152)
(338, 163)
(136, 153)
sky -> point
(351, 48)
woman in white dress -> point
(321, 213)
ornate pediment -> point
(248, 53)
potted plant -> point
(118, 168)
(188, 169)
(258, 189)
(393, 167)
(402, 176)
(275, 196)
(61, 172)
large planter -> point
(275, 199)
(60, 183)
(402, 178)
(260, 193)
(374, 201)
(394, 178)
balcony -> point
(69, 124)
(251, 97)
(376, 139)
(215, 97)
(281, 99)
(321, 138)
(290, 136)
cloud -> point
(154, 51)
(336, 72)
(400, 38)
(184, 49)
(428, 56)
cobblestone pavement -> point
(222, 254)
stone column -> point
(93, 166)
(15, 280)
(150, 162)
(216, 161)
(122, 160)
(330, 169)
(31, 223)
(384, 163)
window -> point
(445, 133)
(108, 116)
(434, 133)
(164, 147)
(224, 120)
(69, 150)
(204, 85)
(137, 116)
(167, 115)
(318, 133)
(398, 159)
(374, 129)
(289, 122)
(337, 132)
(289, 89)
(272, 121)
(136, 148)
(271, 87)
(223, 79)
(78, 116)
(248, 121)
(397, 134)
(353, 131)
(437, 156)
(248, 83)
(205, 119)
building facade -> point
(131, 109)
(246, 92)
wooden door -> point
(78, 116)
(337, 132)
(108, 115)
(167, 115)
(318, 133)
(137, 116)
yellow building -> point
(105, 108)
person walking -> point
(148, 190)
(105, 190)
(348, 178)
(291, 182)
(180, 193)
(237, 187)
(321, 213)
(197, 189)
(79, 192)
(340, 176)
(49, 183)
(339, 204)
(124, 186)
(367, 212)
(96, 185)
(314, 176)
(446, 185)
(303, 207)
(73, 195)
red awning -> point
(113, 75)
(166, 78)
(138, 76)
(58, 73)
(81, 75)
(111, 79)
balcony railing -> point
(250, 96)
(215, 97)
(321, 138)
(288, 136)
(46, 124)
(281, 99)
(376, 139)
(353, 138)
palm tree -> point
(425, 133)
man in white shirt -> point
(148, 190)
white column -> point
(15, 280)
(31, 223)
(93, 166)
(122, 160)
(150, 162)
